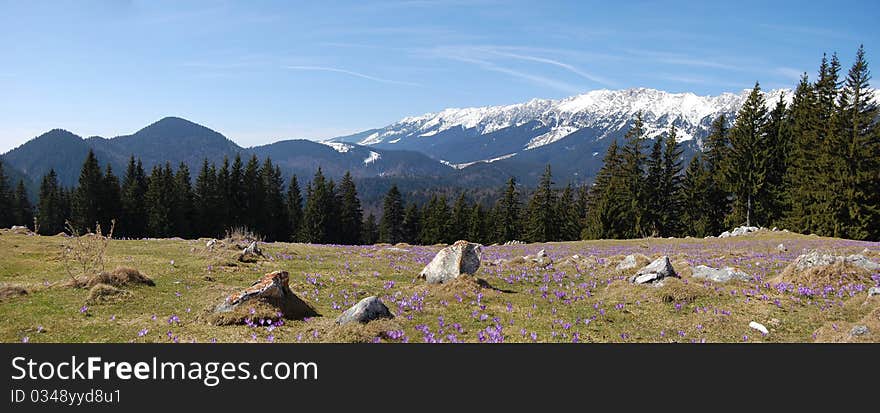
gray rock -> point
(210, 244)
(859, 331)
(738, 231)
(781, 248)
(366, 310)
(514, 242)
(873, 291)
(251, 253)
(815, 259)
(657, 270)
(460, 258)
(628, 263)
(719, 275)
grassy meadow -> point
(573, 300)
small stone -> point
(873, 291)
(859, 331)
(781, 248)
(719, 275)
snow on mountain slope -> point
(606, 109)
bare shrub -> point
(83, 255)
(241, 235)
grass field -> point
(585, 301)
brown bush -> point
(825, 275)
(676, 290)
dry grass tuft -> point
(102, 293)
(677, 290)
(9, 291)
(825, 275)
(119, 277)
(329, 331)
(841, 331)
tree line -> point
(812, 166)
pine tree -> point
(778, 145)
(477, 229)
(566, 212)
(24, 211)
(633, 180)
(253, 194)
(391, 224)
(827, 89)
(747, 164)
(182, 208)
(715, 152)
(412, 224)
(206, 202)
(461, 214)
(670, 184)
(224, 197)
(654, 196)
(87, 209)
(275, 222)
(542, 223)
(294, 208)
(507, 214)
(695, 202)
(371, 230)
(351, 216)
(133, 215)
(802, 183)
(236, 194)
(51, 212)
(159, 202)
(6, 200)
(111, 199)
(607, 205)
(436, 226)
(318, 215)
(857, 152)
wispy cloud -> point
(351, 73)
(492, 58)
(684, 60)
(566, 66)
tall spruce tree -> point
(371, 230)
(159, 202)
(133, 214)
(461, 214)
(715, 151)
(857, 151)
(633, 182)
(543, 223)
(206, 202)
(566, 212)
(695, 202)
(607, 206)
(6, 200)
(24, 211)
(436, 227)
(87, 208)
(294, 208)
(391, 224)
(412, 224)
(275, 222)
(747, 164)
(802, 183)
(477, 225)
(351, 216)
(111, 199)
(50, 205)
(507, 214)
(318, 214)
(654, 196)
(670, 184)
(778, 146)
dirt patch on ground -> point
(825, 275)
(9, 291)
(102, 293)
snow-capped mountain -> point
(461, 137)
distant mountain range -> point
(470, 147)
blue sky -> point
(261, 71)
